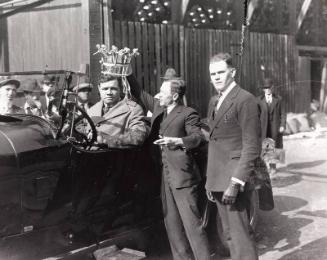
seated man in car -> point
(119, 122)
(32, 93)
(8, 90)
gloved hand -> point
(230, 193)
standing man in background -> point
(272, 117)
(234, 144)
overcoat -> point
(123, 125)
(272, 117)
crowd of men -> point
(237, 123)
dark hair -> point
(222, 56)
(106, 78)
(177, 86)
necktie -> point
(105, 110)
(215, 110)
(164, 115)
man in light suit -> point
(234, 144)
(176, 128)
(120, 122)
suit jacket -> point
(123, 125)
(183, 122)
(234, 139)
(276, 116)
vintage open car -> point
(51, 180)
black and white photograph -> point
(163, 129)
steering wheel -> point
(84, 133)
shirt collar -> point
(171, 107)
(228, 89)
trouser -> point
(183, 223)
(236, 226)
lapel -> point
(170, 117)
(96, 110)
(116, 110)
(225, 106)
(157, 111)
(273, 104)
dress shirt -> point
(170, 108)
(225, 93)
(268, 98)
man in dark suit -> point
(176, 129)
(272, 117)
(234, 144)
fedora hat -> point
(170, 74)
(31, 85)
(82, 86)
(4, 82)
(267, 83)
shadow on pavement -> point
(284, 181)
(316, 213)
(284, 231)
(302, 165)
(314, 250)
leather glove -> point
(230, 193)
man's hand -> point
(281, 129)
(101, 140)
(169, 141)
(209, 196)
(230, 194)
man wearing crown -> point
(119, 121)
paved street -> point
(297, 227)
